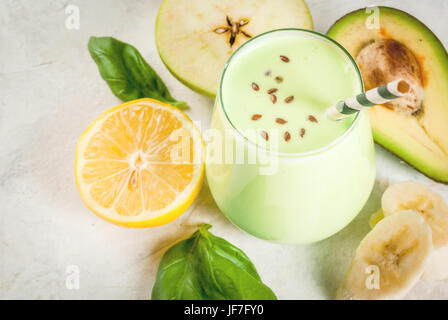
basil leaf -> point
(128, 75)
(206, 267)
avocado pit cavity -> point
(382, 61)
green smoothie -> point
(276, 167)
(281, 88)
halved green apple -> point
(399, 45)
(196, 37)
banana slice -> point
(431, 206)
(437, 268)
(390, 259)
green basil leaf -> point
(128, 75)
(206, 267)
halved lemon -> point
(140, 164)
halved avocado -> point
(195, 38)
(417, 130)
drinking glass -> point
(289, 197)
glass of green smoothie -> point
(276, 166)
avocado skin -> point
(411, 165)
(438, 173)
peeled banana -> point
(390, 259)
(431, 206)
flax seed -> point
(264, 135)
(280, 121)
(312, 118)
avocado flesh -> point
(420, 139)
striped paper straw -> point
(366, 100)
